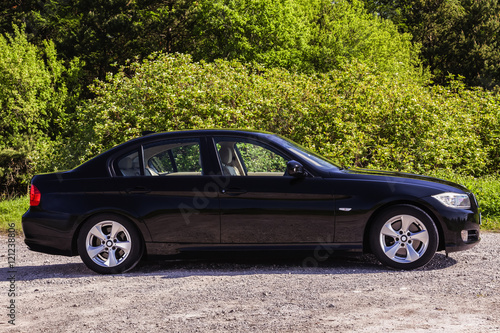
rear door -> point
(164, 184)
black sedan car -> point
(212, 190)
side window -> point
(161, 163)
(245, 158)
(173, 158)
(165, 158)
(129, 165)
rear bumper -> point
(48, 233)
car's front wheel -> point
(110, 244)
(404, 237)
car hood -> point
(402, 177)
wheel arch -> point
(141, 228)
(381, 209)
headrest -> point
(226, 155)
(135, 163)
(125, 163)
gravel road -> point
(459, 293)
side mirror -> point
(295, 169)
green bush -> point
(14, 172)
(357, 116)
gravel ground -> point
(460, 293)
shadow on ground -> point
(223, 264)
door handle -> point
(233, 191)
(138, 190)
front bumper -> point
(452, 222)
(455, 241)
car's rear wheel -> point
(110, 244)
(404, 237)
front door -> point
(261, 204)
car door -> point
(261, 204)
(164, 184)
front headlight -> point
(453, 200)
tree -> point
(274, 33)
(308, 36)
(459, 37)
(33, 90)
(105, 33)
(311, 36)
(13, 12)
(34, 97)
(345, 31)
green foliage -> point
(260, 159)
(30, 100)
(357, 116)
(364, 101)
(14, 171)
(13, 13)
(33, 88)
(345, 31)
(309, 36)
(303, 35)
(33, 101)
(457, 36)
(187, 158)
(103, 33)
(274, 33)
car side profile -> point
(211, 190)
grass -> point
(11, 211)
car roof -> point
(208, 132)
(198, 132)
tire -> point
(404, 237)
(110, 244)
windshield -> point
(305, 154)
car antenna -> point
(144, 133)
